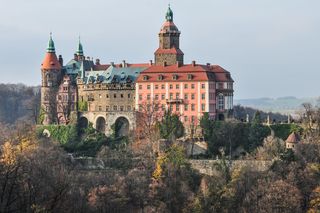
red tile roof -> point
(169, 51)
(50, 61)
(198, 72)
(101, 66)
(293, 138)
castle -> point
(85, 91)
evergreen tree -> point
(170, 126)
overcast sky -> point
(271, 47)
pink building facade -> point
(189, 90)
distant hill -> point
(284, 105)
(19, 102)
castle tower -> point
(169, 52)
(51, 77)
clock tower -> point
(169, 52)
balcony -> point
(174, 101)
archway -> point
(221, 117)
(101, 125)
(121, 127)
(83, 123)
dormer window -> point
(190, 76)
(145, 77)
(174, 77)
(160, 77)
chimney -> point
(193, 63)
(150, 62)
(124, 63)
(112, 64)
(60, 60)
(208, 64)
(97, 61)
(164, 63)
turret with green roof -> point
(80, 49)
(50, 48)
(169, 14)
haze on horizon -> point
(271, 48)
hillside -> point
(18, 102)
(282, 105)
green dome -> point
(169, 14)
(50, 48)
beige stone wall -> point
(102, 98)
(109, 102)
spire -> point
(169, 14)
(50, 48)
(80, 48)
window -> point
(171, 96)
(156, 107)
(107, 108)
(186, 96)
(163, 96)
(145, 77)
(156, 86)
(178, 107)
(221, 102)
(162, 86)
(121, 95)
(192, 107)
(186, 86)
(192, 118)
(129, 108)
(115, 108)
(140, 97)
(177, 95)
(148, 87)
(174, 77)
(129, 95)
(115, 95)
(177, 86)
(163, 107)
(171, 86)
(203, 96)
(140, 86)
(203, 107)
(121, 108)
(192, 96)
(171, 107)
(100, 108)
(107, 96)
(192, 86)
(46, 98)
(186, 107)
(190, 77)
(211, 96)
(203, 86)
(160, 77)
(156, 97)
(148, 97)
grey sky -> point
(271, 47)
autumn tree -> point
(273, 196)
